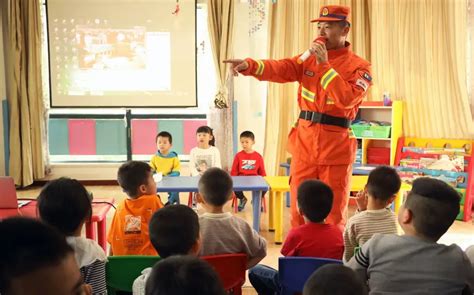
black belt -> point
(325, 119)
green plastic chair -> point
(121, 271)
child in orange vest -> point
(128, 233)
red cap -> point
(333, 13)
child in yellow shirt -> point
(166, 161)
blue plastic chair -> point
(295, 271)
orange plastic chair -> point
(231, 270)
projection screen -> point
(122, 53)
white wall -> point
(251, 94)
(3, 92)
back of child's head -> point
(434, 205)
(315, 200)
(164, 134)
(183, 275)
(65, 204)
(208, 130)
(383, 183)
(215, 186)
(131, 175)
(334, 279)
(247, 134)
(28, 246)
(174, 230)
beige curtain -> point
(418, 53)
(221, 27)
(470, 55)
(25, 91)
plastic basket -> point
(371, 131)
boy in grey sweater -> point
(221, 232)
(415, 263)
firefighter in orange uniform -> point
(332, 84)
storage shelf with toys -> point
(377, 129)
(447, 160)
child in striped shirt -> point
(372, 215)
(65, 204)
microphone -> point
(307, 53)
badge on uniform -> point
(363, 84)
(309, 73)
(325, 11)
(366, 76)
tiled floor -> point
(461, 233)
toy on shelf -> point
(446, 160)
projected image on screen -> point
(99, 58)
(116, 60)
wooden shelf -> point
(392, 114)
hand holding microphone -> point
(321, 40)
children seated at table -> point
(128, 233)
(36, 259)
(415, 263)
(166, 161)
(221, 232)
(174, 230)
(313, 239)
(65, 204)
(372, 214)
(205, 155)
(247, 162)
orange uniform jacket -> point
(128, 233)
(335, 88)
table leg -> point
(256, 204)
(399, 200)
(278, 217)
(271, 209)
(90, 231)
(288, 201)
(102, 234)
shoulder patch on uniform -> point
(363, 84)
(309, 73)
